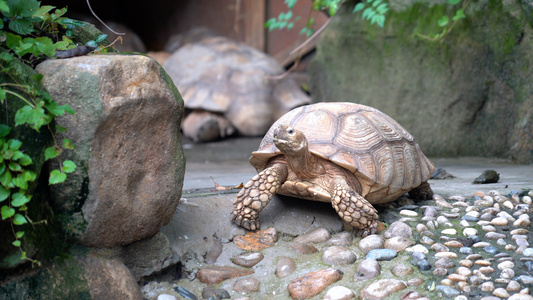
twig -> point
(90, 8)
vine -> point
(444, 22)
(30, 33)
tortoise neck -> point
(303, 163)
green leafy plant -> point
(444, 21)
(373, 11)
(29, 33)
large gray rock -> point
(468, 95)
(128, 147)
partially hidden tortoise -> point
(348, 154)
(230, 87)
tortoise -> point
(230, 87)
(348, 154)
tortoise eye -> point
(290, 131)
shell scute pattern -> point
(365, 141)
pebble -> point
(447, 291)
(423, 265)
(513, 286)
(368, 268)
(440, 272)
(381, 254)
(495, 235)
(487, 286)
(258, 240)
(248, 260)
(304, 248)
(339, 255)
(343, 238)
(382, 288)
(499, 221)
(445, 263)
(371, 242)
(339, 293)
(463, 271)
(210, 292)
(488, 228)
(500, 292)
(246, 285)
(408, 213)
(317, 235)
(528, 252)
(398, 243)
(313, 283)
(466, 250)
(491, 250)
(466, 263)
(217, 274)
(401, 270)
(454, 244)
(469, 231)
(166, 297)
(415, 281)
(449, 231)
(285, 266)
(398, 228)
(446, 254)
(418, 255)
(419, 248)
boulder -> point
(467, 95)
(86, 275)
(128, 151)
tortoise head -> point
(289, 140)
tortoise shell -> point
(382, 155)
(219, 75)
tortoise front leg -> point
(354, 209)
(422, 192)
(256, 194)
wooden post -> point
(255, 14)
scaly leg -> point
(256, 194)
(422, 192)
(354, 209)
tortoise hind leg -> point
(422, 192)
(354, 209)
(256, 194)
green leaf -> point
(35, 117)
(67, 144)
(19, 219)
(60, 128)
(2, 92)
(21, 183)
(7, 212)
(19, 234)
(14, 144)
(25, 160)
(22, 8)
(13, 166)
(16, 243)
(453, 2)
(19, 199)
(4, 193)
(50, 152)
(376, 3)
(69, 166)
(358, 7)
(29, 175)
(42, 10)
(71, 24)
(3, 6)
(21, 26)
(382, 8)
(56, 177)
(91, 43)
(17, 155)
(4, 130)
(459, 14)
(6, 179)
(443, 21)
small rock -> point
(466, 250)
(469, 231)
(415, 281)
(454, 244)
(446, 254)
(408, 213)
(401, 270)
(456, 277)
(520, 297)
(217, 274)
(398, 243)
(487, 176)
(317, 235)
(338, 255)
(495, 235)
(166, 297)
(506, 265)
(304, 248)
(447, 291)
(371, 242)
(500, 292)
(248, 260)
(285, 266)
(411, 295)
(313, 283)
(258, 240)
(487, 286)
(423, 265)
(212, 291)
(418, 255)
(339, 293)
(440, 272)
(449, 231)
(445, 263)
(463, 271)
(343, 238)
(513, 286)
(381, 254)
(382, 288)
(398, 228)
(481, 245)
(491, 250)
(528, 252)
(367, 269)
(499, 221)
(418, 248)
(246, 285)
(438, 247)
